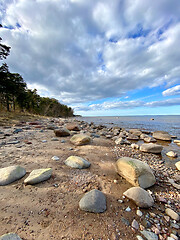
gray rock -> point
(149, 235)
(122, 141)
(135, 224)
(77, 162)
(93, 201)
(125, 221)
(136, 132)
(161, 135)
(141, 197)
(132, 137)
(38, 175)
(11, 174)
(80, 139)
(136, 172)
(62, 132)
(151, 148)
(10, 236)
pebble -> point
(135, 224)
(139, 237)
(128, 209)
(125, 221)
(172, 214)
(174, 236)
(55, 158)
(139, 213)
(174, 225)
(44, 141)
(149, 235)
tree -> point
(4, 50)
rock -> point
(151, 148)
(136, 172)
(132, 137)
(122, 141)
(93, 201)
(139, 237)
(134, 146)
(171, 154)
(149, 235)
(173, 236)
(80, 139)
(77, 162)
(178, 165)
(135, 224)
(139, 213)
(149, 139)
(176, 141)
(62, 132)
(38, 175)
(128, 209)
(17, 130)
(72, 127)
(54, 139)
(141, 197)
(11, 174)
(136, 132)
(55, 158)
(172, 214)
(10, 236)
(125, 221)
(161, 135)
(13, 142)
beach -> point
(50, 209)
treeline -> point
(14, 94)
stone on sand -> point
(11, 174)
(135, 172)
(171, 154)
(62, 132)
(77, 162)
(38, 175)
(10, 236)
(140, 196)
(80, 139)
(172, 214)
(151, 148)
(93, 201)
(178, 165)
(72, 127)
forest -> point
(15, 96)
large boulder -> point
(73, 127)
(38, 175)
(151, 148)
(135, 172)
(80, 139)
(62, 132)
(93, 201)
(162, 135)
(10, 236)
(11, 174)
(77, 162)
(140, 196)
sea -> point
(168, 123)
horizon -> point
(118, 58)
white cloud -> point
(82, 51)
(172, 91)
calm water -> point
(170, 124)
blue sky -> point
(100, 57)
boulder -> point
(122, 141)
(171, 154)
(151, 148)
(132, 137)
(93, 201)
(38, 175)
(135, 172)
(140, 196)
(178, 165)
(80, 139)
(11, 174)
(10, 236)
(162, 135)
(136, 132)
(73, 127)
(77, 162)
(62, 132)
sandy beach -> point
(50, 209)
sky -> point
(101, 57)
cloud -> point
(128, 105)
(172, 91)
(81, 51)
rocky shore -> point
(67, 179)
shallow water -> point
(168, 123)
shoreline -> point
(49, 210)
